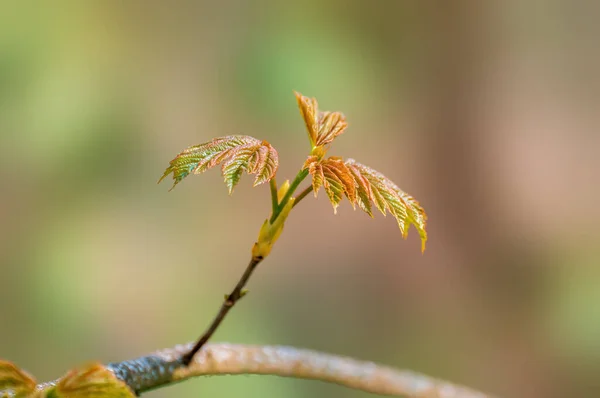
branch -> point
(165, 367)
(303, 194)
(230, 300)
(279, 213)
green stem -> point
(274, 201)
(302, 195)
(299, 178)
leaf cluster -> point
(235, 153)
(360, 184)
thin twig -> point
(237, 292)
(228, 303)
(302, 195)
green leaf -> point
(236, 153)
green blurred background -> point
(486, 112)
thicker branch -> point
(230, 300)
(308, 364)
(165, 367)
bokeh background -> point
(487, 112)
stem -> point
(302, 195)
(274, 200)
(299, 178)
(229, 302)
(237, 292)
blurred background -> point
(486, 112)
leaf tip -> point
(165, 174)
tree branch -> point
(165, 367)
(230, 300)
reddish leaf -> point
(309, 111)
(322, 127)
(334, 176)
(387, 196)
(331, 124)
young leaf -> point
(16, 379)
(322, 127)
(236, 153)
(374, 186)
(335, 177)
(309, 111)
(92, 381)
(331, 124)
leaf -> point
(92, 381)
(331, 124)
(309, 111)
(334, 176)
(236, 153)
(374, 186)
(15, 379)
(322, 127)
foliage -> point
(322, 127)
(339, 178)
(236, 153)
(334, 176)
(91, 381)
(360, 184)
(374, 186)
